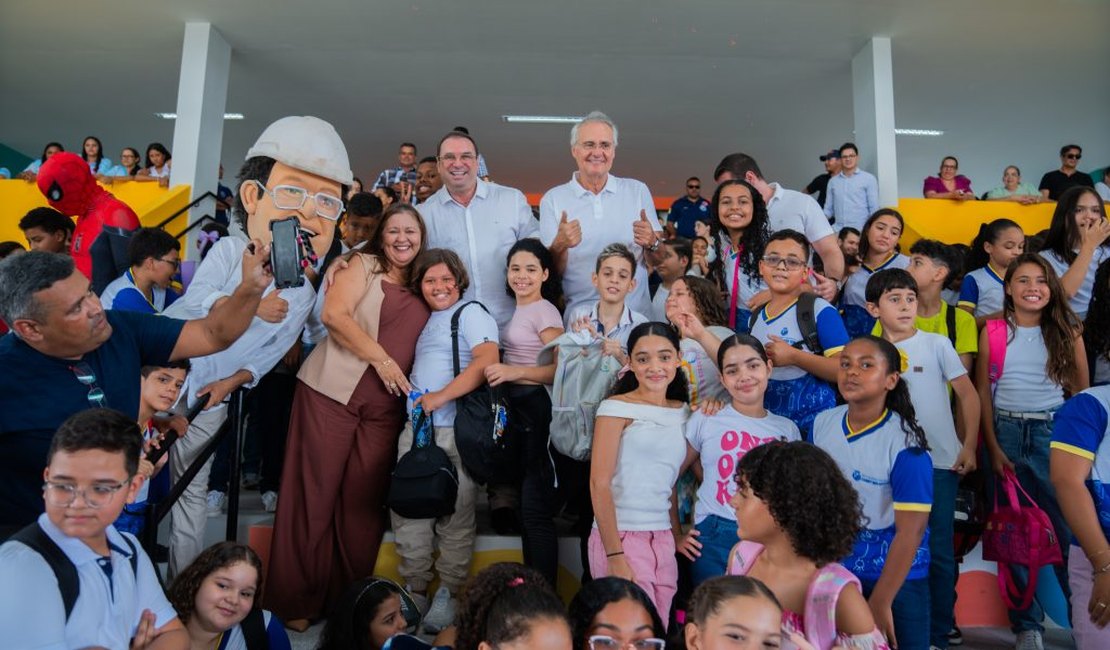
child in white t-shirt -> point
(932, 366)
(717, 443)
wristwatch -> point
(655, 245)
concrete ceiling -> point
(686, 80)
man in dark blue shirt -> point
(65, 353)
(687, 210)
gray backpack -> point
(583, 377)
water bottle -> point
(421, 422)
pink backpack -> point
(1019, 535)
(819, 617)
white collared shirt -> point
(482, 233)
(263, 344)
(797, 211)
(606, 218)
(108, 607)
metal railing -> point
(192, 204)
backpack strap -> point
(996, 340)
(36, 539)
(742, 556)
(253, 628)
(455, 333)
(950, 321)
(134, 559)
(807, 321)
(821, 598)
(754, 315)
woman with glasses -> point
(347, 413)
(614, 614)
(1013, 189)
(948, 184)
(129, 165)
(1078, 241)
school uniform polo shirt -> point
(1080, 428)
(122, 294)
(888, 474)
(830, 332)
(109, 605)
(38, 392)
(983, 291)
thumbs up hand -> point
(569, 235)
(643, 231)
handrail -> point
(203, 218)
(193, 204)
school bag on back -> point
(807, 321)
(583, 377)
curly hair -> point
(752, 241)
(818, 509)
(1059, 324)
(599, 593)
(182, 594)
(1096, 329)
(707, 300)
(500, 603)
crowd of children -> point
(822, 444)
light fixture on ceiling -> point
(173, 116)
(543, 119)
(932, 132)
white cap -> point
(306, 143)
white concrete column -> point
(873, 106)
(201, 103)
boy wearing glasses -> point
(112, 598)
(154, 256)
(297, 168)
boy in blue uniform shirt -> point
(91, 473)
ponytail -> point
(977, 257)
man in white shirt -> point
(793, 210)
(594, 209)
(478, 220)
(297, 168)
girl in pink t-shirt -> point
(533, 280)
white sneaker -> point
(217, 501)
(269, 500)
(442, 612)
(1029, 640)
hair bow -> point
(211, 237)
(904, 361)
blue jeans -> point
(1025, 443)
(910, 610)
(717, 536)
(942, 556)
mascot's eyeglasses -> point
(291, 197)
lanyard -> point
(734, 293)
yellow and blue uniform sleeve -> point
(1080, 426)
(830, 329)
(969, 292)
(911, 481)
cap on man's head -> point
(306, 143)
(833, 153)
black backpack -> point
(36, 539)
(807, 322)
(482, 437)
(69, 585)
(425, 483)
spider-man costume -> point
(104, 223)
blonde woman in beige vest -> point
(348, 412)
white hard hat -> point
(306, 143)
